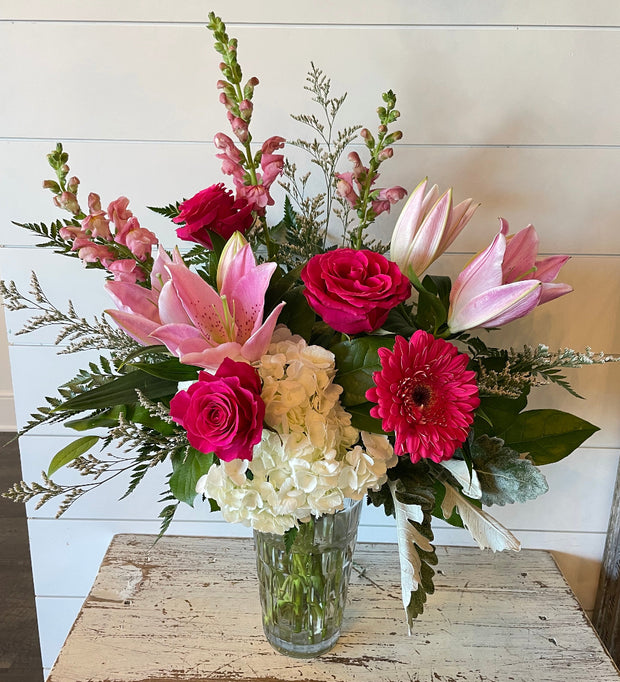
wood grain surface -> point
(187, 608)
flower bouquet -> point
(285, 369)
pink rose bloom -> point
(222, 413)
(216, 210)
(353, 291)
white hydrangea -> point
(310, 459)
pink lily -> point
(202, 327)
(504, 282)
(426, 227)
(138, 313)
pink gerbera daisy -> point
(425, 395)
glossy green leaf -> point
(356, 361)
(186, 474)
(70, 452)
(361, 419)
(547, 435)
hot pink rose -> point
(222, 413)
(353, 291)
(216, 210)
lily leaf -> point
(504, 475)
(356, 361)
(484, 529)
(70, 452)
(547, 436)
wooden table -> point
(187, 609)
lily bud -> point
(230, 250)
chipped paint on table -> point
(187, 608)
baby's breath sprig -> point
(77, 332)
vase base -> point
(296, 650)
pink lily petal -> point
(132, 298)
(171, 310)
(461, 215)
(547, 269)
(407, 224)
(484, 272)
(243, 263)
(521, 250)
(249, 298)
(425, 244)
(202, 303)
(256, 346)
(138, 327)
(159, 274)
(551, 291)
(176, 336)
(498, 306)
(211, 358)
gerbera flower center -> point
(414, 396)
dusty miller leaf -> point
(416, 553)
(504, 476)
(484, 529)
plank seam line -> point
(318, 25)
(398, 145)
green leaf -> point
(505, 477)
(171, 369)
(186, 474)
(70, 452)
(120, 391)
(499, 414)
(431, 312)
(547, 436)
(289, 537)
(297, 314)
(356, 361)
(281, 283)
(96, 420)
(399, 321)
(440, 285)
(361, 419)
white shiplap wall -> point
(512, 103)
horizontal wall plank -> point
(416, 12)
(561, 509)
(542, 186)
(548, 88)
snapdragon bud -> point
(72, 184)
(68, 202)
(51, 185)
(385, 154)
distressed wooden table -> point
(187, 609)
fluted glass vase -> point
(303, 590)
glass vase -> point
(303, 590)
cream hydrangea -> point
(311, 458)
